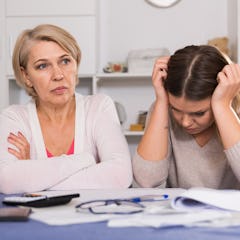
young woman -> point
(193, 133)
(60, 140)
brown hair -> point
(193, 70)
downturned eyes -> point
(193, 114)
(198, 114)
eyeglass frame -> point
(136, 201)
(109, 202)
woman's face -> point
(193, 116)
(52, 72)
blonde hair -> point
(43, 32)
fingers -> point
(161, 65)
(17, 154)
(158, 77)
(229, 79)
(231, 73)
(160, 70)
(228, 85)
(18, 140)
(22, 145)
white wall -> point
(133, 24)
(3, 80)
(233, 28)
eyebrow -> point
(45, 59)
(178, 110)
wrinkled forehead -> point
(189, 106)
(41, 49)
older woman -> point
(60, 140)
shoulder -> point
(15, 112)
(99, 98)
(97, 101)
(98, 106)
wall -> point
(130, 24)
(4, 83)
(133, 24)
(233, 28)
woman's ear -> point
(27, 80)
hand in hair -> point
(158, 77)
(228, 85)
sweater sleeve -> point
(18, 176)
(149, 173)
(114, 168)
(32, 175)
(73, 171)
(233, 156)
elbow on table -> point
(6, 186)
(6, 190)
(124, 178)
(126, 182)
(143, 183)
(148, 182)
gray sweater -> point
(189, 165)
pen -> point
(150, 198)
(32, 195)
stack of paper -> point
(164, 219)
(206, 198)
(187, 210)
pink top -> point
(69, 152)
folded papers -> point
(221, 208)
(206, 198)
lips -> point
(59, 90)
(191, 130)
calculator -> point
(39, 200)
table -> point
(99, 231)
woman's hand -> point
(21, 143)
(158, 77)
(228, 85)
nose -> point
(57, 73)
(186, 120)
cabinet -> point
(133, 91)
(79, 17)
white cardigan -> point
(101, 156)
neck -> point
(205, 136)
(53, 113)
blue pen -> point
(150, 198)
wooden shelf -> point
(122, 75)
(133, 133)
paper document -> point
(164, 219)
(68, 214)
(206, 198)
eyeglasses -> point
(119, 206)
